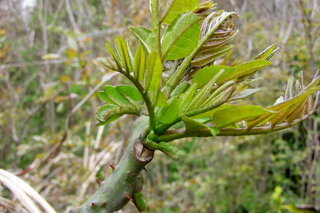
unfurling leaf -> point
(139, 64)
(217, 32)
(152, 77)
(206, 57)
(268, 53)
(123, 52)
(203, 76)
(287, 111)
(233, 114)
(181, 37)
(108, 113)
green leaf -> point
(102, 111)
(115, 96)
(209, 113)
(219, 96)
(268, 53)
(139, 64)
(178, 7)
(139, 201)
(209, 56)
(108, 113)
(131, 56)
(233, 114)
(202, 95)
(130, 92)
(144, 35)
(194, 126)
(186, 98)
(102, 95)
(204, 75)
(246, 69)
(153, 72)
(161, 100)
(169, 113)
(181, 36)
(123, 51)
(113, 55)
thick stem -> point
(115, 192)
(147, 101)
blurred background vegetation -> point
(48, 133)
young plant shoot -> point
(184, 83)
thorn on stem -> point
(93, 205)
(129, 197)
(104, 204)
(98, 181)
(112, 167)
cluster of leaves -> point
(257, 24)
(185, 76)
